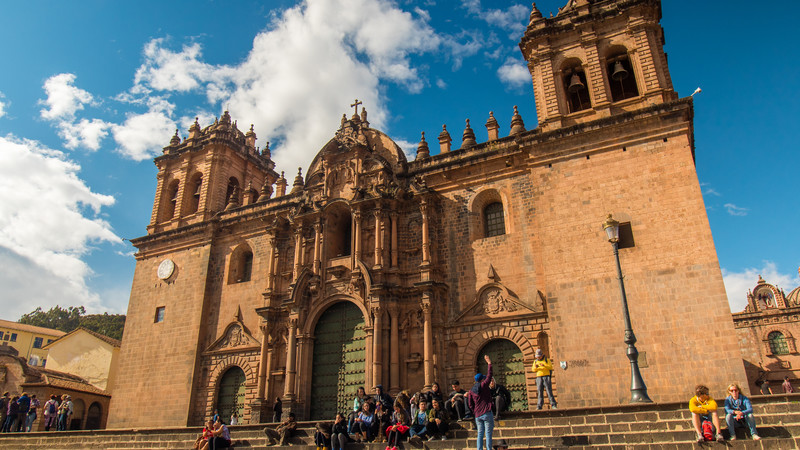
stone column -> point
(378, 239)
(258, 407)
(426, 257)
(394, 314)
(377, 363)
(298, 251)
(394, 239)
(271, 262)
(291, 361)
(427, 337)
(356, 235)
(317, 246)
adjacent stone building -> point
(371, 269)
(766, 330)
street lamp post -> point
(638, 388)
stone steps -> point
(654, 426)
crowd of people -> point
(19, 412)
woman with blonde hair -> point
(739, 412)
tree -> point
(71, 318)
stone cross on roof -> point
(356, 105)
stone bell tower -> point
(596, 58)
(213, 169)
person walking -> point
(50, 411)
(542, 367)
(480, 398)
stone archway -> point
(94, 416)
(508, 367)
(231, 394)
(338, 360)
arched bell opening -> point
(194, 188)
(622, 80)
(171, 200)
(232, 192)
(338, 231)
(575, 85)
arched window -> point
(241, 265)
(233, 188)
(494, 222)
(195, 188)
(172, 200)
(778, 344)
(622, 81)
(339, 230)
(575, 86)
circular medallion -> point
(166, 269)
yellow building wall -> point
(86, 356)
(23, 340)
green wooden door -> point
(339, 355)
(509, 370)
(231, 394)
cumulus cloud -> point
(735, 210)
(142, 136)
(3, 105)
(49, 219)
(514, 73)
(738, 283)
(302, 72)
(512, 19)
(63, 99)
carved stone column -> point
(258, 407)
(394, 313)
(291, 361)
(271, 262)
(394, 238)
(426, 255)
(427, 337)
(298, 251)
(378, 239)
(317, 246)
(356, 235)
(377, 364)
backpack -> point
(52, 408)
(708, 429)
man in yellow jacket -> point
(703, 407)
(542, 367)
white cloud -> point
(142, 136)
(49, 219)
(84, 133)
(408, 147)
(63, 99)
(441, 84)
(514, 73)
(735, 210)
(738, 283)
(513, 19)
(3, 105)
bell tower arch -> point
(596, 59)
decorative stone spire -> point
(364, 117)
(266, 191)
(535, 13)
(176, 140)
(517, 125)
(468, 137)
(265, 152)
(233, 201)
(281, 186)
(492, 127)
(225, 120)
(250, 137)
(444, 140)
(194, 130)
(422, 149)
(297, 186)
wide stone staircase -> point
(654, 426)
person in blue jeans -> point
(739, 411)
(480, 397)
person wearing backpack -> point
(50, 411)
(542, 367)
(704, 413)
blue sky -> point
(91, 91)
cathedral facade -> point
(371, 269)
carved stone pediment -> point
(495, 301)
(235, 337)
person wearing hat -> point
(542, 367)
(480, 397)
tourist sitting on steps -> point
(704, 413)
(221, 437)
(739, 412)
(501, 398)
(365, 423)
(322, 435)
(438, 421)
(399, 427)
(205, 435)
(419, 422)
(339, 433)
(456, 403)
(283, 432)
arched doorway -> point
(339, 358)
(78, 408)
(94, 416)
(508, 366)
(230, 398)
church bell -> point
(619, 72)
(575, 83)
